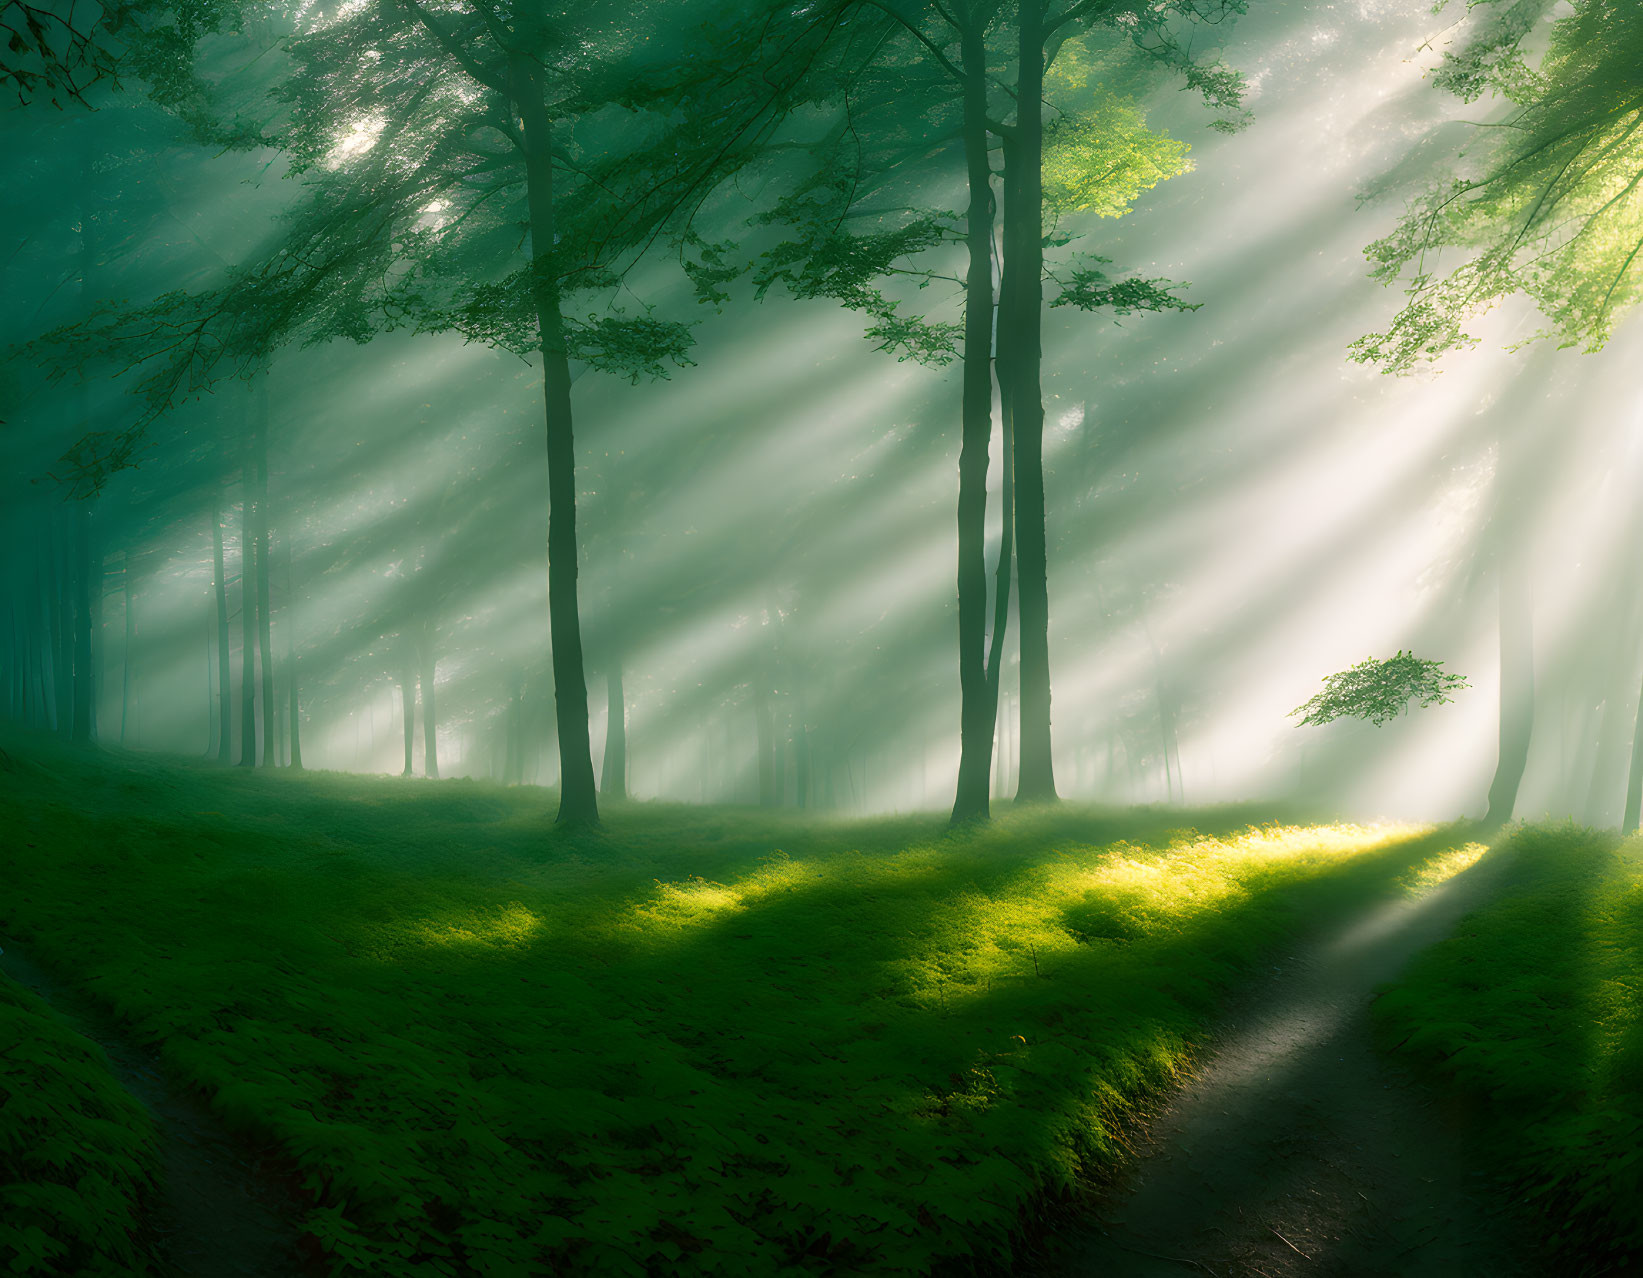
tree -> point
(918, 113)
(1547, 205)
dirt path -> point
(1298, 1149)
(225, 1213)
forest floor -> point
(227, 1209)
(707, 1040)
(1295, 1147)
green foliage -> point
(1380, 691)
(704, 1041)
(1099, 155)
(1533, 1006)
(77, 1154)
(1550, 205)
(1089, 288)
(824, 261)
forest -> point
(820, 637)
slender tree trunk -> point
(1024, 242)
(1634, 779)
(613, 780)
(803, 768)
(1517, 684)
(764, 730)
(248, 614)
(578, 799)
(430, 722)
(294, 731)
(128, 645)
(970, 802)
(265, 638)
(80, 575)
(62, 628)
(407, 695)
(513, 761)
(225, 673)
(96, 577)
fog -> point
(767, 544)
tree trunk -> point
(128, 644)
(97, 580)
(225, 674)
(613, 783)
(407, 700)
(62, 627)
(294, 733)
(265, 637)
(764, 730)
(578, 799)
(1634, 779)
(1517, 686)
(248, 614)
(80, 576)
(1024, 242)
(430, 722)
(970, 802)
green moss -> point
(703, 1040)
(1534, 1006)
(77, 1155)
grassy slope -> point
(1536, 1005)
(77, 1156)
(703, 1041)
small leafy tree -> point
(1380, 691)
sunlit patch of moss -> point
(508, 924)
(495, 1047)
(1443, 867)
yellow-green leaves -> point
(1099, 155)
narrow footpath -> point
(225, 1211)
(1297, 1148)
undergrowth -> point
(1534, 1004)
(77, 1154)
(701, 1041)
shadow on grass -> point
(1528, 1019)
(491, 1044)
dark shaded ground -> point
(226, 1211)
(1298, 1149)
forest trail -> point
(223, 1212)
(1296, 1148)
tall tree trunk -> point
(225, 673)
(764, 730)
(128, 645)
(513, 758)
(1024, 242)
(294, 733)
(1634, 779)
(1517, 682)
(80, 576)
(578, 799)
(970, 801)
(613, 779)
(430, 722)
(62, 626)
(407, 701)
(803, 768)
(265, 637)
(97, 581)
(248, 613)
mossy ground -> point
(1535, 1005)
(697, 1041)
(77, 1154)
